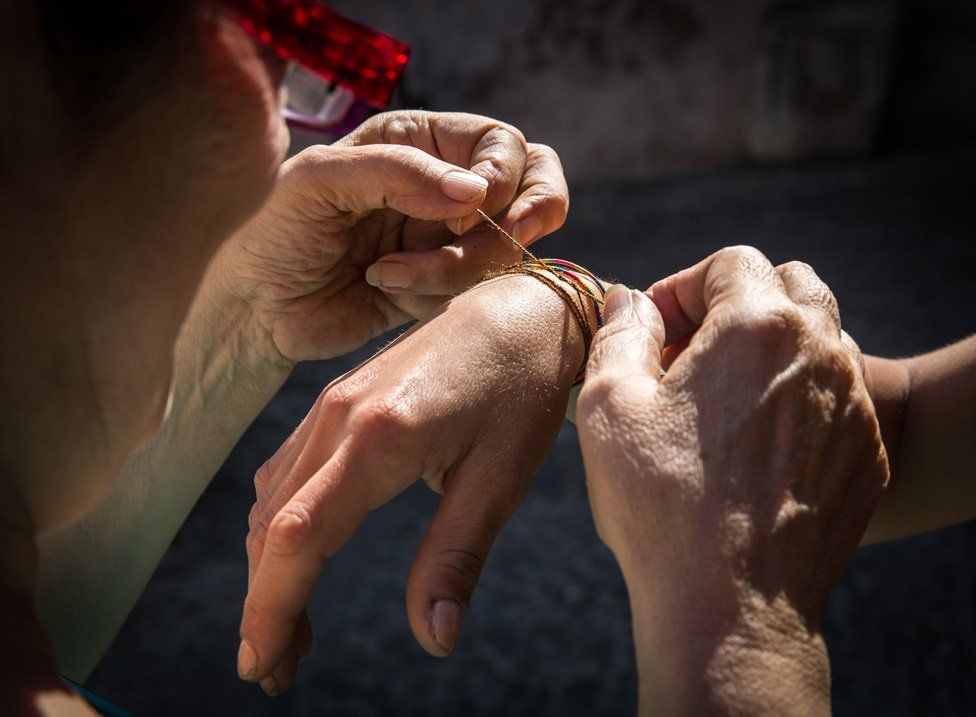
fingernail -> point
(270, 686)
(528, 229)
(618, 298)
(389, 274)
(247, 661)
(446, 623)
(463, 186)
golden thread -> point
(579, 312)
(494, 224)
(580, 287)
(538, 269)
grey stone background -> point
(623, 87)
(653, 106)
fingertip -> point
(460, 185)
(445, 623)
(247, 661)
(617, 299)
(676, 322)
(528, 229)
(390, 274)
(464, 224)
(270, 686)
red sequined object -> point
(362, 59)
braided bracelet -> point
(544, 270)
(571, 273)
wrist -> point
(223, 350)
(536, 320)
(227, 305)
(752, 656)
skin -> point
(382, 434)
(734, 490)
(90, 310)
(165, 319)
(290, 285)
(473, 424)
(109, 308)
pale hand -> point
(361, 236)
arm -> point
(93, 572)
(317, 273)
(927, 411)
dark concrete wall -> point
(629, 86)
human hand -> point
(361, 236)
(469, 401)
(734, 490)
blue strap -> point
(103, 706)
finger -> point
(286, 455)
(543, 198)
(302, 455)
(341, 180)
(447, 270)
(631, 340)
(539, 209)
(303, 637)
(448, 563)
(736, 277)
(282, 677)
(493, 150)
(321, 516)
(673, 351)
(804, 287)
(500, 157)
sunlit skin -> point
(157, 220)
(160, 282)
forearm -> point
(93, 572)
(927, 412)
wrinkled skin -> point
(469, 401)
(734, 490)
(345, 215)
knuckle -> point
(503, 133)
(387, 416)
(401, 127)
(784, 322)
(264, 476)
(741, 254)
(289, 531)
(798, 267)
(743, 260)
(813, 288)
(338, 400)
(465, 565)
(544, 150)
(254, 517)
(551, 203)
(254, 542)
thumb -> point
(406, 179)
(631, 339)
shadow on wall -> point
(630, 86)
